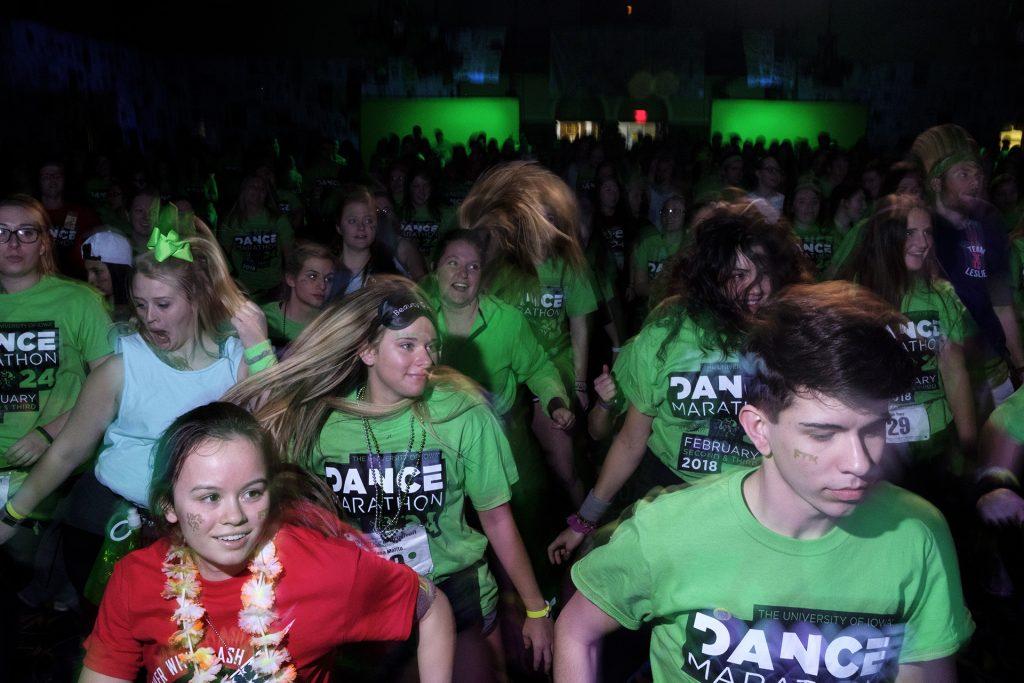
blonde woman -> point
(535, 263)
(184, 353)
(53, 331)
(406, 446)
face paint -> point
(194, 520)
(797, 454)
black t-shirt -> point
(976, 258)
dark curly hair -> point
(696, 278)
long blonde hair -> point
(512, 202)
(47, 262)
(204, 281)
(293, 399)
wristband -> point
(616, 349)
(604, 404)
(9, 509)
(262, 364)
(540, 613)
(593, 508)
(580, 525)
(257, 351)
(993, 478)
(45, 434)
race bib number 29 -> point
(907, 424)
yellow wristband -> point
(539, 613)
(15, 514)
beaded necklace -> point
(389, 527)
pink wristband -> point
(579, 525)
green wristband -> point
(262, 363)
(257, 351)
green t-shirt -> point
(280, 330)
(255, 248)
(424, 229)
(1017, 277)
(288, 202)
(49, 333)
(654, 248)
(548, 301)
(731, 600)
(936, 317)
(462, 460)
(603, 271)
(1009, 416)
(817, 243)
(694, 396)
(844, 247)
(500, 353)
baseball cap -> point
(109, 247)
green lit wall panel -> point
(789, 120)
(457, 117)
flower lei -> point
(255, 617)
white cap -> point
(109, 247)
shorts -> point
(466, 590)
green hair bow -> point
(164, 246)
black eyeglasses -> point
(26, 234)
(400, 316)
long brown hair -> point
(294, 398)
(513, 202)
(879, 263)
(47, 263)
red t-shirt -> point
(70, 225)
(334, 590)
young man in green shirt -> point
(807, 568)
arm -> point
(641, 281)
(936, 671)
(1008, 320)
(580, 335)
(251, 324)
(532, 366)
(953, 369)
(28, 449)
(409, 256)
(624, 456)
(578, 634)
(1001, 505)
(435, 653)
(95, 408)
(600, 418)
(90, 676)
(500, 529)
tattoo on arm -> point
(425, 597)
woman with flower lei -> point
(255, 579)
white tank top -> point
(154, 395)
